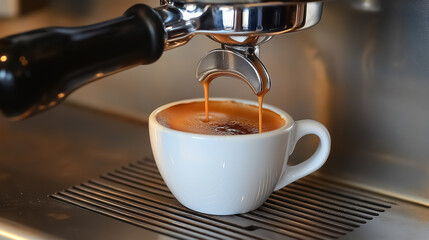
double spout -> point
(241, 62)
(40, 68)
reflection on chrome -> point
(222, 21)
(227, 17)
(9, 235)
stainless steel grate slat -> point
(146, 170)
(171, 204)
(346, 191)
(168, 212)
(148, 223)
(311, 208)
(337, 212)
(282, 194)
(302, 223)
(138, 181)
(287, 207)
(325, 194)
(141, 178)
(147, 162)
(154, 177)
(323, 223)
(155, 214)
(314, 197)
(137, 186)
(283, 223)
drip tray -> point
(311, 208)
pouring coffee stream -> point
(241, 62)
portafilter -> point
(39, 68)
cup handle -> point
(302, 128)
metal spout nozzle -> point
(240, 62)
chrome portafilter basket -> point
(38, 69)
(236, 22)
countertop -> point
(56, 150)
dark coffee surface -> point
(225, 118)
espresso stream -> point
(206, 85)
(220, 117)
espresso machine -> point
(76, 173)
(40, 68)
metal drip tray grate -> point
(311, 208)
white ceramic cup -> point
(226, 175)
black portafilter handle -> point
(39, 68)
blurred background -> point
(363, 71)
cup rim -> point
(289, 122)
